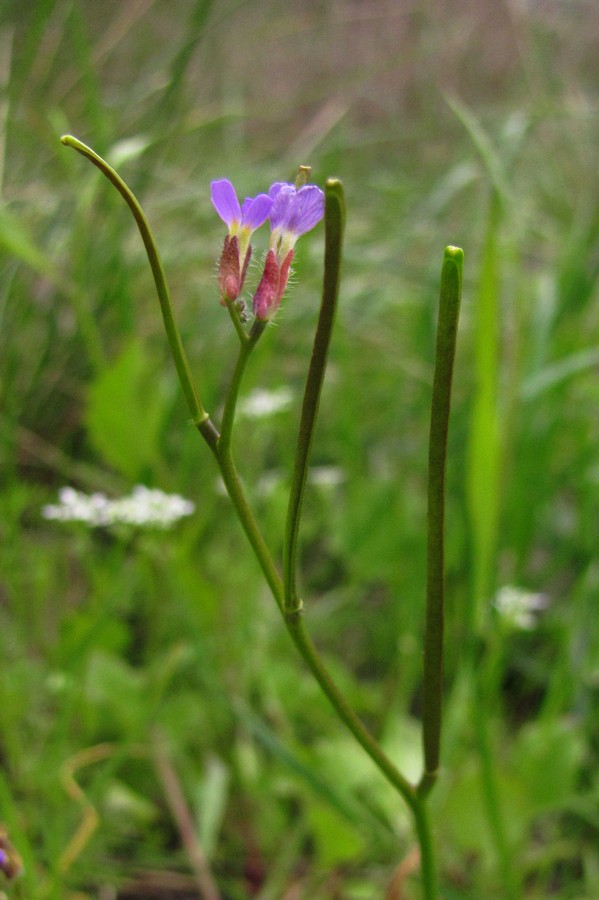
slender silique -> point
(198, 412)
(334, 228)
(447, 326)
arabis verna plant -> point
(293, 210)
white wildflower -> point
(269, 482)
(326, 476)
(143, 507)
(260, 403)
(517, 606)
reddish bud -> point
(229, 280)
(267, 298)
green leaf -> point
(16, 241)
(126, 809)
(547, 760)
(465, 824)
(117, 691)
(212, 798)
(335, 839)
(125, 413)
(555, 374)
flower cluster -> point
(260, 403)
(143, 507)
(292, 211)
(518, 608)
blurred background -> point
(149, 695)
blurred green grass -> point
(475, 125)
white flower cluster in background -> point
(261, 403)
(143, 507)
(517, 606)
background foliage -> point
(134, 662)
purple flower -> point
(294, 212)
(248, 217)
(241, 221)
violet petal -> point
(307, 209)
(255, 211)
(225, 202)
(284, 198)
(275, 188)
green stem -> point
(334, 226)
(247, 345)
(428, 869)
(295, 626)
(449, 308)
(235, 490)
(302, 640)
(237, 323)
(198, 412)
